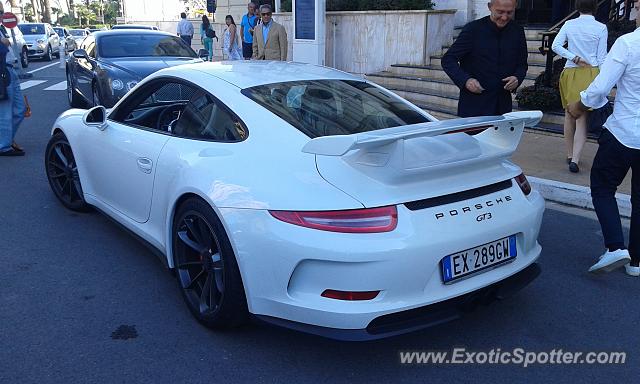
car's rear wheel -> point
(24, 58)
(206, 268)
(74, 98)
(62, 173)
(49, 55)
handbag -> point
(5, 78)
(598, 117)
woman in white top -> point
(587, 48)
(230, 45)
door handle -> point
(145, 165)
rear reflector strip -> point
(349, 295)
(458, 196)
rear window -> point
(334, 107)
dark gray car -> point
(108, 64)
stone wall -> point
(365, 42)
(370, 41)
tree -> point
(46, 14)
(36, 12)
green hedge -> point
(370, 5)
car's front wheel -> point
(74, 98)
(62, 173)
(49, 55)
(24, 58)
(206, 268)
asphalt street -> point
(81, 301)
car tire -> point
(62, 173)
(206, 268)
(75, 101)
(49, 55)
(95, 95)
(57, 53)
(24, 58)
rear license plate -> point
(476, 259)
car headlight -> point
(131, 84)
(117, 85)
(40, 41)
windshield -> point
(77, 32)
(31, 29)
(143, 45)
(130, 27)
(334, 107)
(59, 31)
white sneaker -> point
(610, 261)
(632, 271)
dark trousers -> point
(186, 39)
(610, 166)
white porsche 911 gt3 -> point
(306, 197)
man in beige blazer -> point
(270, 38)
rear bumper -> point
(419, 318)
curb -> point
(575, 195)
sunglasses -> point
(266, 14)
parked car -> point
(69, 41)
(108, 64)
(42, 41)
(135, 26)
(306, 196)
(79, 35)
(22, 46)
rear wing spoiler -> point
(508, 130)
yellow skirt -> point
(575, 80)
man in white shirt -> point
(185, 29)
(619, 150)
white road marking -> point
(31, 83)
(46, 66)
(61, 86)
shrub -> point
(539, 97)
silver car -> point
(79, 35)
(42, 40)
(65, 36)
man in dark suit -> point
(488, 61)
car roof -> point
(246, 74)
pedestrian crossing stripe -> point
(61, 86)
(31, 83)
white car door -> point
(121, 160)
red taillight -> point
(523, 183)
(369, 220)
(349, 295)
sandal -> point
(17, 147)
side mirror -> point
(203, 53)
(80, 54)
(96, 117)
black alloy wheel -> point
(62, 173)
(24, 58)
(74, 98)
(96, 95)
(206, 268)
